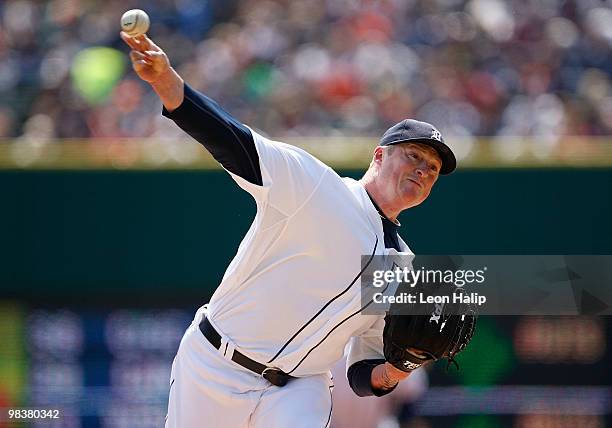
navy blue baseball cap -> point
(413, 131)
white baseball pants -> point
(209, 390)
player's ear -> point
(378, 155)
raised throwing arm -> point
(152, 65)
(227, 139)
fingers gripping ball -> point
(135, 22)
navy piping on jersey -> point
(331, 406)
(228, 141)
(335, 327)
(359, 374)
(169, 391)
(327, 304)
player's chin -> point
(412, 194)
(411, 197)
(410, 189)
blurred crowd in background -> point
(314, 67)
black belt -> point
(273, 375)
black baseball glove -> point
(412, 340)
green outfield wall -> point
(144, 234)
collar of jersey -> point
(382, 215)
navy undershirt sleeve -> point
(228, 141)
(360, 378)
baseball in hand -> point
(135, 22)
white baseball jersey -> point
(291, 296)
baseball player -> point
(259, 353)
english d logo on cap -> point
(414, 131)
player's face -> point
(409, 171)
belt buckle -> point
(275, 376)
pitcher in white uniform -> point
(259, 353)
